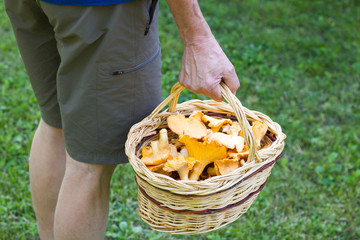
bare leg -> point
(83, 203)
(46, 170)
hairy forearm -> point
(190, 21)
(204, 64)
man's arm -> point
(204, 64)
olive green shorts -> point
(93, 70)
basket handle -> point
(233, 101)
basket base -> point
(188, 224)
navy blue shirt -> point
(86, 2)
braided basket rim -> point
(148, 127)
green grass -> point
(298, 62)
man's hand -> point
(204, 64)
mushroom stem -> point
(242, 162)
(181, 165)
(155, 147)
(184, 173)
(196, 171)
(163, 140)
(211, 171)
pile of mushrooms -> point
(206, 146)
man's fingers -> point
(218, 97)
(215, 93)
(232, 80)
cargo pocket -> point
(138, 66)
(123, 98)
(152, 9)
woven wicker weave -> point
(190, 207)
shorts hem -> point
(51, 122)
(111, 158)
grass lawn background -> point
(298, 62)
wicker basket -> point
(190, 207)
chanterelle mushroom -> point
(173, 151)
(214, 123)
(181, 165)
(229, 141)
(158, 152)
(197, 115)
(233, 154)
(234, 129)
(204, 152)
(186, 126)
(225, 166)
(158, 169)
(176, 143)
(184, 152)
(259, 129)
(163, 139)
(211, 171)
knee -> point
(89, 173)
(49, 132)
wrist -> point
(196, 32)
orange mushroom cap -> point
(181, 165)
(228, 141)
(204, 152)
(232, 154)
(197, 115)
(186, 126)
(158, 169)
(259, 129)
(159, 150)
(215, 124)
(235, 129)
(226, 166)
(157, 155)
